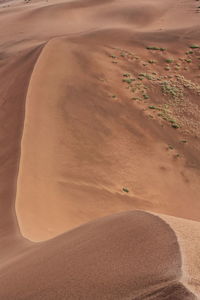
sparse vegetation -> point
(151, 61)
(175, 125)
(155, 48)
(188, 60)
(126, 75)
(172, 84)
(128, 80)
(147, 76)
(183, 141)
(152, 107)
(189, 52)
(194, 46)
(169, 60)
(169, 89)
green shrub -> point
(125, 190)
(194, 46)
(174, 125)
(126, 75)
(151, 61)
(128, 80)
(155, 48)
(169, 60)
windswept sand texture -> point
(100, 122)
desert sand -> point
(100, 150)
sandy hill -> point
(99, 117)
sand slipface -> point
(99, 111)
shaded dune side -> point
(81, 264)
(15, 74)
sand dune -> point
(95, 123)
(112, 258)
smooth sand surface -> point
(79, 143)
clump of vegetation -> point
(126, 190)
(188, 60)
(147, 76)
(165, 114)
(151, 61)
(183, 141)
(155, 48)
(113, 56)
(194, 46)
(153, 107)
(128, 80)
(189, 52)
(126, 75)
(170, 147)
(145, 96)
(175, 125)
(170, 89)
(169, 60)
(136, 98)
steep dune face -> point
(15, 74)
(111, 258)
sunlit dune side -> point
(85, 140)
(188, 235)
(132, 255)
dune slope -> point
(112, 258)
(92, 140)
